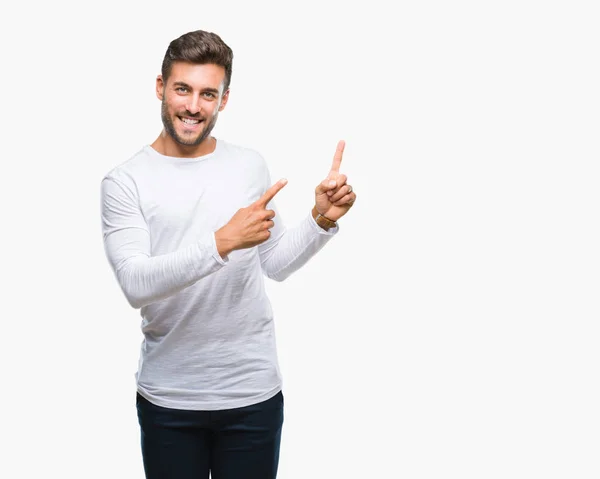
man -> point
(190, 228)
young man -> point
(190, 228)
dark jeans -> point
(241, 443)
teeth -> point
(190, 122)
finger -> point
(267, 215)
(340, 193)
(269, 224)
(325, 186)
(340, 180)
(271, 192)
(346, 200)
(337, 157)
(335, 195)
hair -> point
(199, 47)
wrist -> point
(224, 245)
(324, 222)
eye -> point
(181, 89)
(208, 94)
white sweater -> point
(209, 339)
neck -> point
(165, 145)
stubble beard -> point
(170, 128)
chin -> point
(187, 139)
(182, 140)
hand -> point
(249, 226)
(333, 196)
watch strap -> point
(323, 221)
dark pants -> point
(241, 443)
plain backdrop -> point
(450, 330)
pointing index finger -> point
(337, 157)
(271, 192)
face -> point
(191, 100)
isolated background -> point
(449, 330)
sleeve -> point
(144, 278)
(287, 250)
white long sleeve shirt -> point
(209, 339)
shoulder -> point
(247, 156)
(126, 172)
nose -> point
(193, 105)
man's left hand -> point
(334, 196)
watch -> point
(323, 221)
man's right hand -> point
(249, 226)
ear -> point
(224, 99)
(160, 87)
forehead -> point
(197, 76)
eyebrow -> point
(183, 84)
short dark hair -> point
(199, 47)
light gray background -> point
(449, 331)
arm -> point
(144, 278)
(287, 251)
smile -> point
(189, 121)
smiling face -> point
(192, 98)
